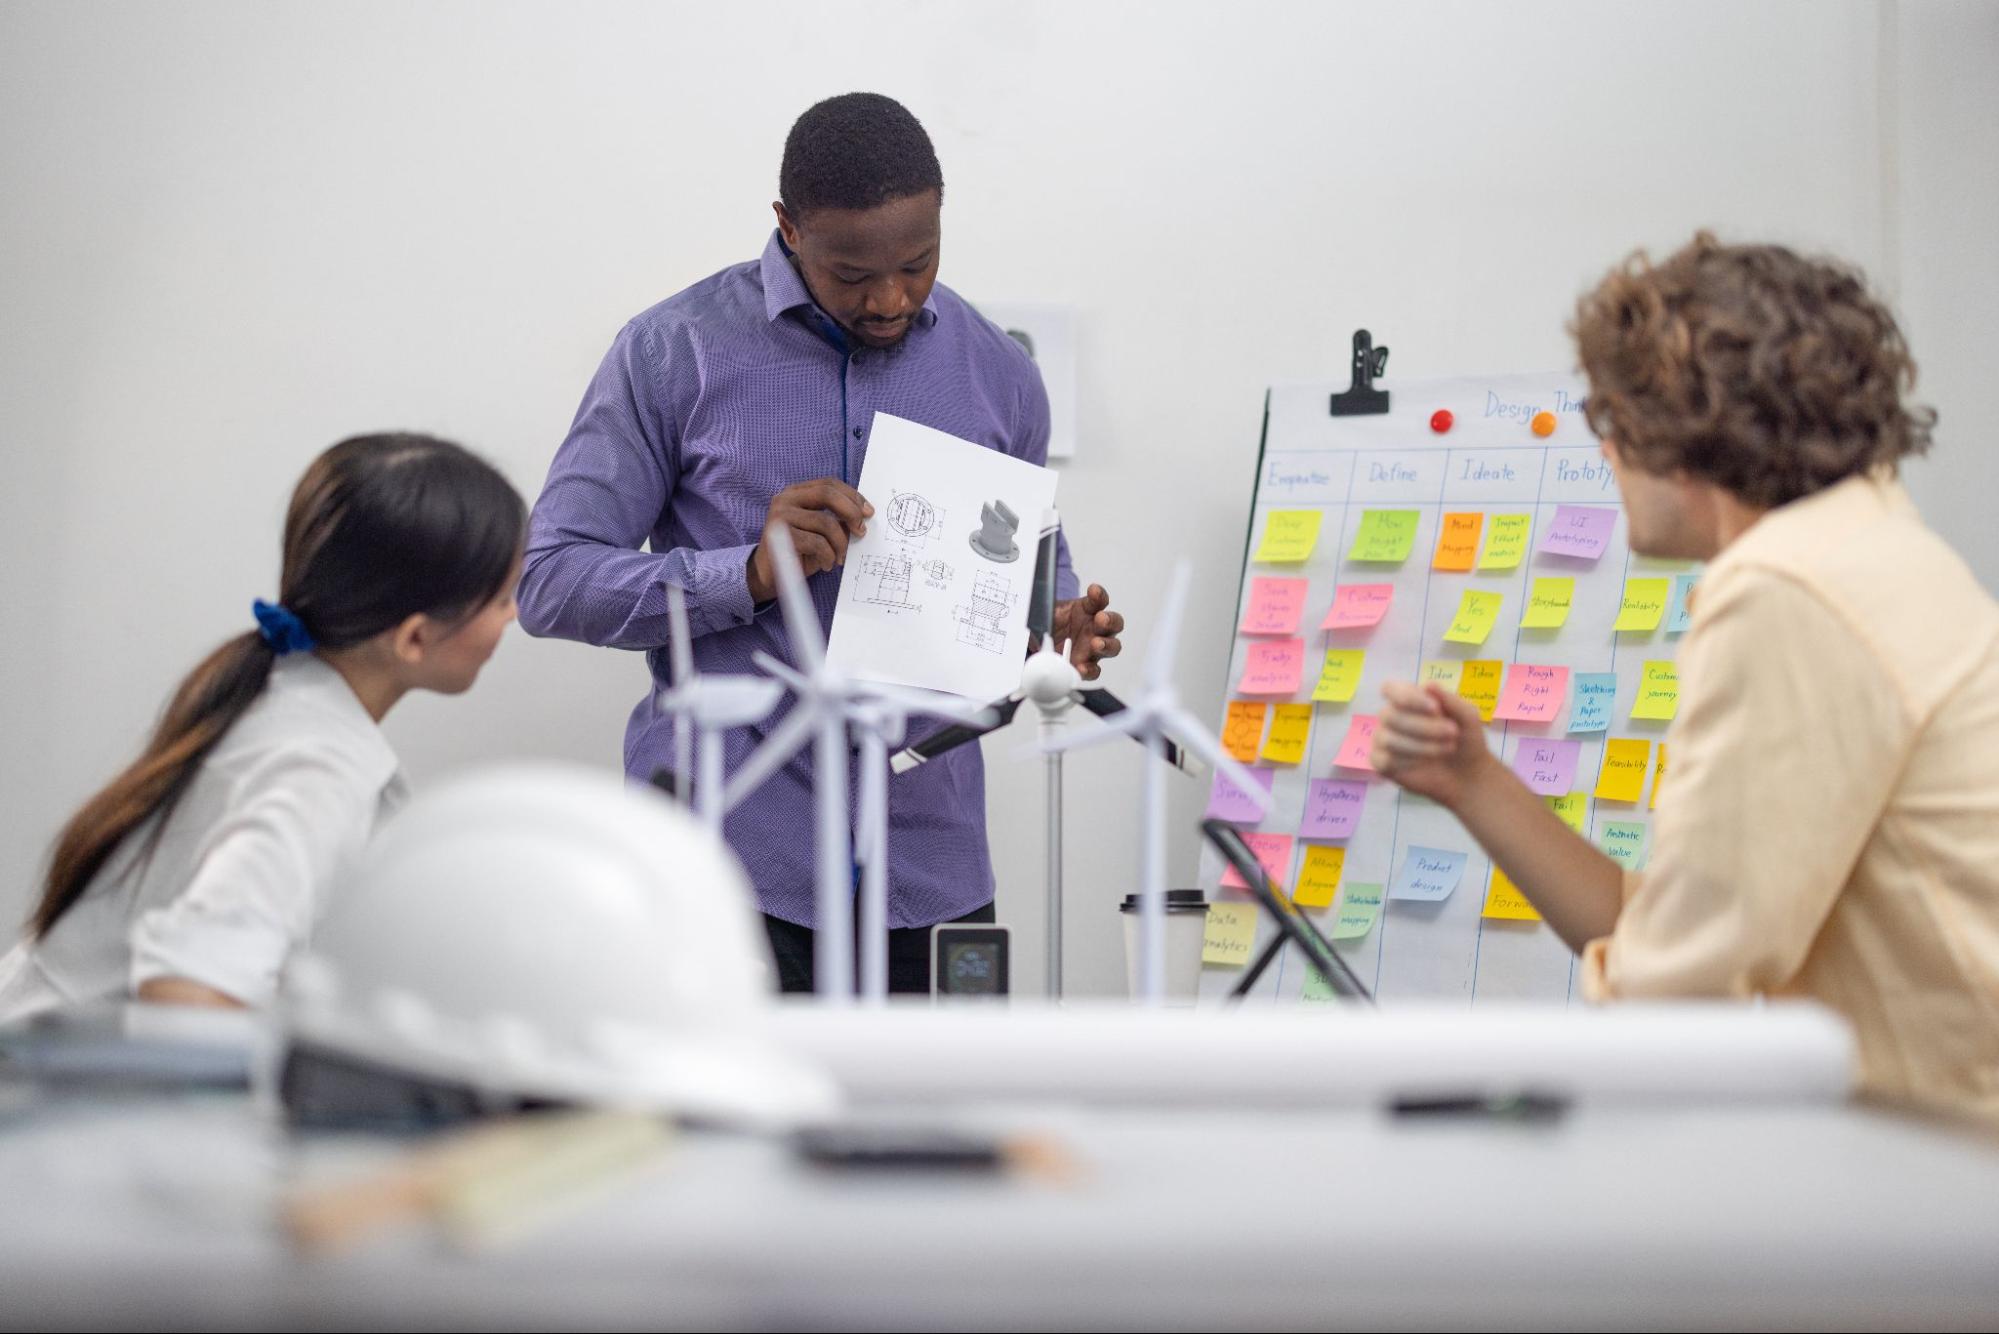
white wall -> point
(230, 234)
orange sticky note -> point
(1480, 684)
(1622, 777)
(1275, 606)
(1242, 730)
(1319, 876)
(1273, 667)
(1457, 542)
(1356, 750)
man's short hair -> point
(1769, 374)
(856, 151)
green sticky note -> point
(1505, 541)
(1548, 603)
(1359, 906)
(1288, 536)
(1340, 677)
(1386, 536)
(1317, 990)
(1477, 610)
(1624, 843)
(1644, 604)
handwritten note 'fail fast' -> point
(1273, 667)
(1427, 874)
(1275, 606)
(1581, 531)
(1547, 765)
(1533, 693)
(1288, 537)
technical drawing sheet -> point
(935, 595)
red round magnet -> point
(1440, 420)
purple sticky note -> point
(1547, 765)
(1332, 808)
(1228, 802)
(1582, 531)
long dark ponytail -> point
(381, 528)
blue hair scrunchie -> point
(281, 629)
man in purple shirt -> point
(744, 403)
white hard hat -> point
(546, 930)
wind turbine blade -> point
(680, 643)
(801, 622)
(731, 701)
(785, 741)
(1166, 637)
(932, 704)
(1184, 728)
(782, 672)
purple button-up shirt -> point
(705, 408)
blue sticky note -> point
(1428, 874)
(1595, 693)
(1678, 617)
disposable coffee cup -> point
(1186, 924)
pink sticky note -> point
(1228, 802)
(1275, 606)
(1274, 667)
(1547, 765)
(1532, 694)
(1273, 854)
(1360, 740)
(1332, 807)
(1579, 530)
(1357, 605)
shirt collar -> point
(1784, 534)
(313, 682)
(785, 291)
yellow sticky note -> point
(1504, 900)
(1457, 542)
(1385, 536)
(1548, 603)
(1288, 536)
(1622, 777)
(1477, 610)
(1230, 934)
(1445, 672)
(1242, 730)
(1644, 604)
(1506, 541)
(1572, 809)
(1658, 779)
(1480, 684)
(1658, 691)
(1340, 677)
(1290, 724)
(1319, 877)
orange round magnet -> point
(1543, 423)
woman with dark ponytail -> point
(194, 873)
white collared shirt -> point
(277, 811)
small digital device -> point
(969, 961)
(898, 1146)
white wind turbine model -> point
(1048, 680)
(703, 705)
(1155, 720)
(828, 703)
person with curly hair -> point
(1831, 829)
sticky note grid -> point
(1488, 561)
